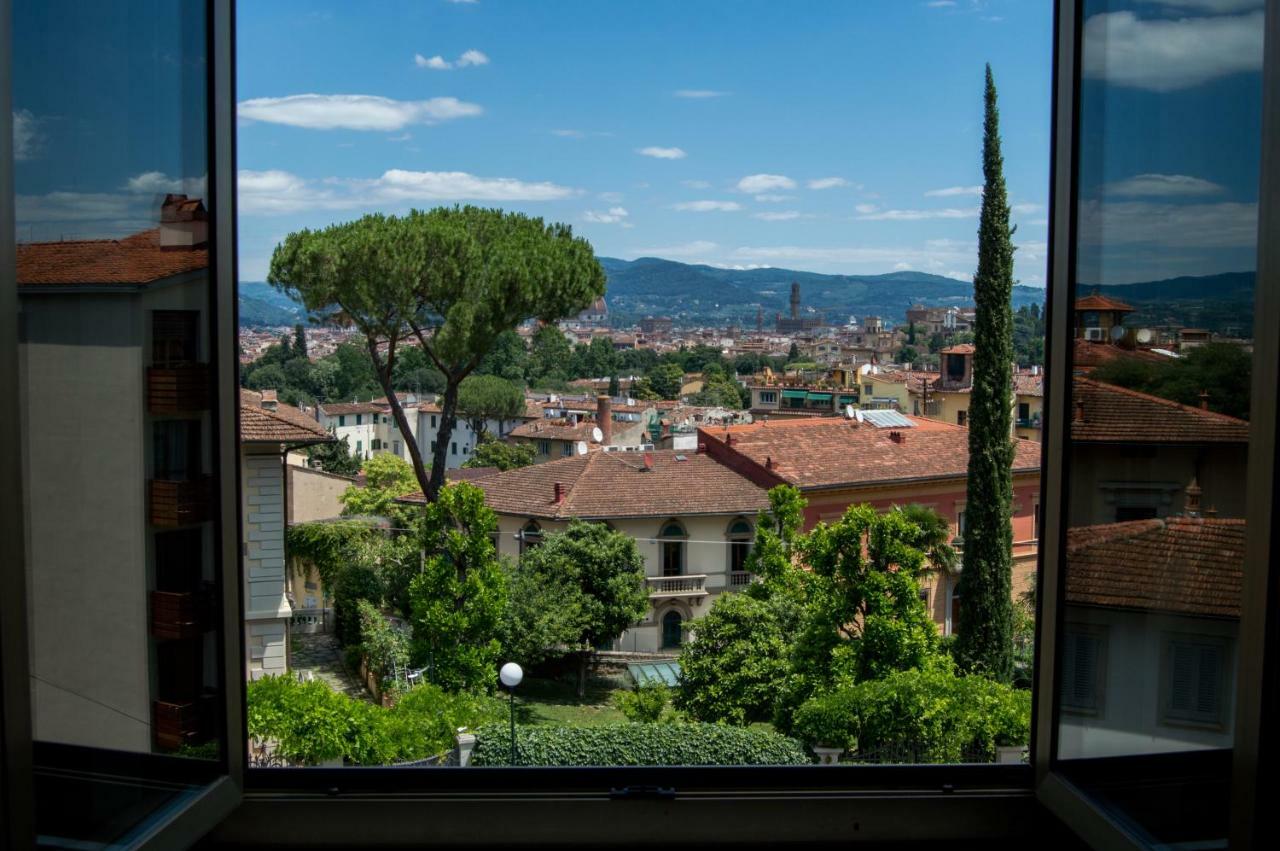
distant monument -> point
(795, 324)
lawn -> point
(556, 701)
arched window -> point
(672, 540)
(671, 629)
(739, 536)
(530, 536)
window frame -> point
(1169, 717)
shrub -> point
(647, 704)
(385, 648)
(636, 744)
(933, 712)
(425, 719)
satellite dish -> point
(1144, 335)
(858, 416)
(1117, 332)
(582, 447)
(848, 412)
(596, 434)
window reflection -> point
(1167, 170)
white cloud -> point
(755, 183)
(1162, 185)
(611, 197)
(274, 192)
(435, 63)
(568, 134)
(782, 216)
(1176, 226)
(1216, 6)
(697, 247)
(772, 198)
(26, 135)
(699, 93)
(354, 112)
(940, 4)
(866, 209)
(472, 58)
(919, 215)
(708, 206)
(828, 183)
(697, 184)
(1025, 208)
(953, 191)
(662, 153)
(612, 216)
(157, 183)
(1165, 55)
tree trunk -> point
(402, 421)
(440, 458)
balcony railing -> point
(177, 723)
(689, 585)
(740, 579)
(178, 389)
(178, 614)
(179, 503)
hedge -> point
(636, 744)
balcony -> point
(178, 389)
(177, 723)
(178, 614)
(179, 503)
(688, 585)
(740, 579)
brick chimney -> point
(559, 492)
(702, 448)
(1204, 400)
(897, 437)
(1077, 413)
(1192, 508)
(269, 400)
(604, 413)
(648, 462)
(184, 223)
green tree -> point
(355, 377)
(498, 453)
(508, 358)
(793, 353)
(598, 577)
(387, 476)
(908, 355)
(487, 397)
(414, 373)
(1223, 371)
(615, 389)
(911, 333)
(665, 379)
(719, 390)
(334, 458)
(549, 355)
(300, 340)
(933, 535)
(453, 279)
(458, 598)
(985, 640)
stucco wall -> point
(313, 494)
(1105, 477)
(266, 607)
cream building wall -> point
(267, 610)
(706, 554)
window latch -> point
(643, 793)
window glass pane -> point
(114, 295)
(1158, 426)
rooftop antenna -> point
(582, 447)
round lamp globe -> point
(511, 675)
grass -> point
(556, 701)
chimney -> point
(702, 448)
(269, 400)
(184, 223)
(1192, 508)
(559, 492)
(648, 462)
(1077, 414)
(1204, 400)
(768, 462)
(897, 437)
(604, 413)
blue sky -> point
(835, 137)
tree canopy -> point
(487, 397)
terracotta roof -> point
(548, 429)
(1086, 355)
(959, 349)
(470, 474)
(606, 485)
(1101, 302)
(1114, 414)
(131, 261)
(1186, 565)
(1028, 385)
(286, 424)
(341, 408)
(830, 452)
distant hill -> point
(693, 294)
(262, 305)
(1220, 303)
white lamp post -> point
(511, 675)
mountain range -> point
(697, 294)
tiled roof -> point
(1187, 565)
(286, 424)
(1086, 355)
(605, 485)
(547, 429)
(830, 452)
(1028, 385)
(960, 349)
(1101, 302)
(470, 474)
(131, 261)
(1104, 413)
(342, 408)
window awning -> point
(848, 400)
(820, 397)
(794, 394)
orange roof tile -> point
(1086, 355)
(549, 429)
(832, 453)
(1101, 302)
(1186, 565)
(605, 485)
(286, 424)
(1105, 413)
(134, 260)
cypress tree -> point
(985, 641)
